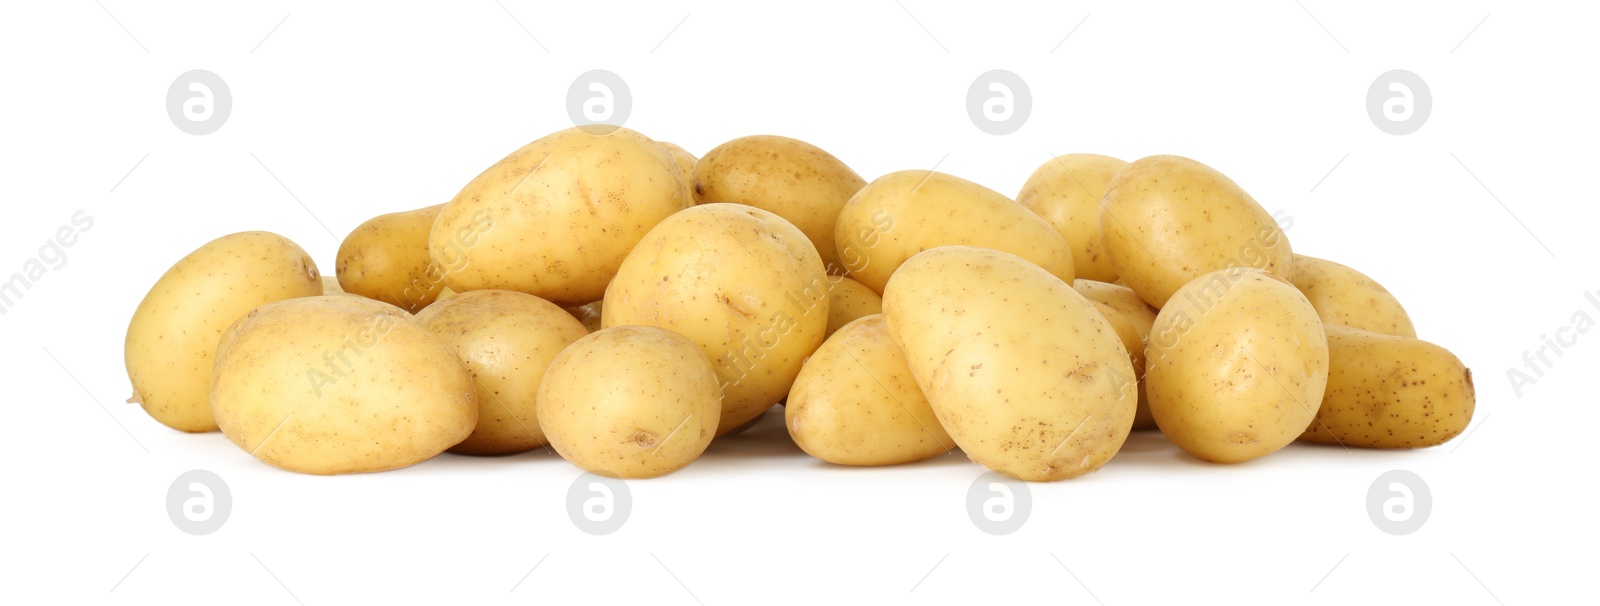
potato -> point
(444, 293)
(1348, 297)
(1066, 192)
(387, 259)
(1387, 391)
(630, 402)
(682, 157)
(172, 339)
(330, 385)
(1022, 371)
(1129, 336)
(1137, 314)
(555, 218)
(849, 300)
(855, 402)
(743, 284)
(330, 286)
(589, 314)
(904, 213)
(789, 178)
(1166, 220)
(507, 339)
(1236, 365)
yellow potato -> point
(329, 385)
(1236, 365)
(855, 402)
(444, 293)
(630, 402)
(387, 259)
(1135, 346)
(1022, 371)
(172, 340)
(682, 157)
(740, 282)
(1348, 297)
(849, 300)
(330, 286)
(1167, 220)
(1066, 191)
(1387, 391)
(789, 178)
(589, 314)
(507, 339)
(1138, 315)
(555, 218)
(904, 213)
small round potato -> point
(1236, 365)
(1347, 297)
(334, 384)
(1139, 315)
(849, 300)
(1386, 391)
(172, 340)
(856, 403)
(387, 259)
(630, 402)
(507, 339)
(1066, 191)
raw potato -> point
(506, 339)
(630, 402)
(444, 293)
(1236, 365)
(589, 314)
(330, 385)
(1022, 371)
(904, 213)
(1348, 297)
(1132, 342)
(682, 157)
(849, 300)
(1387, 391)
(856, 403)
(1066, 192)
(330, 286)
(1138, 314)
(1168, 219)
(789, 178)
(172, 339)
(555, 218)
(743, 284)
(387, 259)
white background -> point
(367, 108)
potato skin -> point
(1021, 370)
(1167, 220)
(848, 301)
(1236, 365)
(681, 157)
(555, 218)
(589, 314)
(787, 177)
(172, 339)
(1066, 191)
(1387, 391)
(630, 402)
(1348, 297)
(507, 340)
(856, 403)
(740, 282)
(386, 258)
(335, 384)
(904, 213)
(1137, 314)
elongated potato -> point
(506, 339)
(335, 384)
(1066, 192)
(386, 258)
(740, 282)
(1348, 297)
(1022, 371)
(1167, 220)
(787, 177)
(849, 300)
(1387, 391)
(172, 340)
(904, 213)
(1236, 365)
(1139, 315)
(856, 403)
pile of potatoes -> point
(624, 303)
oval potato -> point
(682, 157)
(1139, 315)
(386, 258)
(1066, 192)
(848, 301)
(1348, 297)
(1387, 391)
